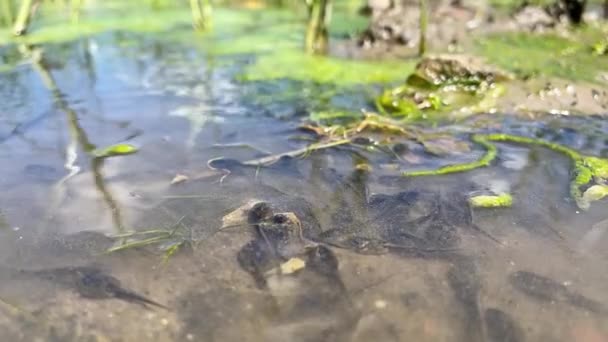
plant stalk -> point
(7, 12)
(23, 18)
(316, 41)
(424, 18)
(201, 14)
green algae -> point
(416, 104)
(51, 31)
(586, 169)
(444, 87)
(276, 37)
(491, 201)
(545, 54)
(296, 65)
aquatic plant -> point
(485, 160)
(442, 86)
(319, 16)
(23, 17)
(589, 175)
(201, 14)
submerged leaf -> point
(114, 150)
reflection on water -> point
(320, 248)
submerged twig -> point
(296, 153)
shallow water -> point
(183, 108)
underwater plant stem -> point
(23, 18)
(485, 160)
(316, 40)
(586, 168)
(424, 18)
(531, 141)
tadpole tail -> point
(136, 298)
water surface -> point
(182, 108)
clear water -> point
(183, 108)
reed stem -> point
(201, 14)
(6, 12)
(316, 41)
(424, 18)
(23, 18)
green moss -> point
(548, 55)
(295, 64)
(488, 201)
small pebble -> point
(570, 89)
(380, 304)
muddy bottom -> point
(168, 244)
